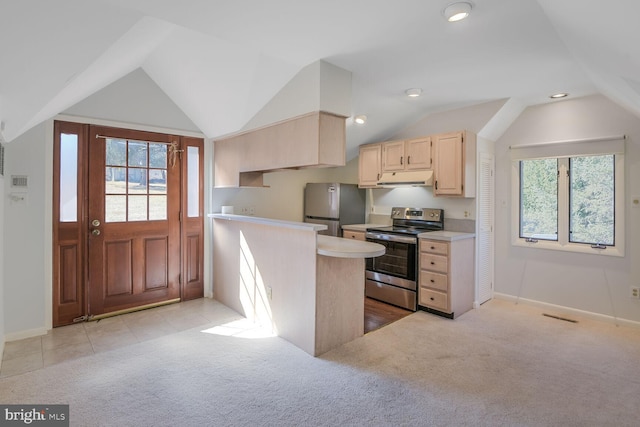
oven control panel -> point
(425, 214)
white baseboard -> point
(15, 336)
(560, 309)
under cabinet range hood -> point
(406, 178)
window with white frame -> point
(570, 196)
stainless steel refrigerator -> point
(333, 204)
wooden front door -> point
(126, 244)
(134, 219)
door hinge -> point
(180, 216)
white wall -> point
(2, 202)
(593, 283)
(24, 231)
(136, 99)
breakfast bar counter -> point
(308, 288)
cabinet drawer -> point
(434, 280)
(433, 262)
(356, 235)
(434, 299)
(431, 246)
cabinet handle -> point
(433, 247)
(431, 299)
(436, 184)
(408, 160)
(401, 159)
(433, 281)
(433, 263)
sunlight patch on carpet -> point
(242, 328)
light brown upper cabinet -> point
(315, 139)
(412, 154)
(454, 164)
(369, 165)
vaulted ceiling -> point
(221, 61)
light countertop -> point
(268, 221)
(327, 245)
(348, 248)
(447, 236)
(361, 227)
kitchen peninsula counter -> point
(308, 288)
(326, 245)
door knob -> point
(95, 223)
(95, 232)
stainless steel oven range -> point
(393, 277)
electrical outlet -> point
(635, 292)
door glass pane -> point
(591, 195)
(115, 208)
(137, 153)
(115, 180)
(157, 207)
(157, 155)
(157, 181)
(137, 181)
(68, 178)
(116, 152)
(193, 182)
(142, 181)
(137, 209)
(539, 199)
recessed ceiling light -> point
(360, 119)
(559, 95)
(413, 93)
(457, 11)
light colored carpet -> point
(503, 364)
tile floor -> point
(83, 339)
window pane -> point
(115, 180)
(193, 182)
(539, 199)
(137, 181)
(157, 207)
(115, 208)
(137, 209)
(591, 194)
(68, 178)
(157, 155)
(157, 181)
(116, 152)
(137, 153)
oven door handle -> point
(390, 237)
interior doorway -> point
(127, 220)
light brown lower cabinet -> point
(356, 235)
(446, 276)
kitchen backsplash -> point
(461, 225)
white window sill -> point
(569, 247)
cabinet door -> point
(418, 153)
(448, 165)
(369, 165)
(393, 156)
